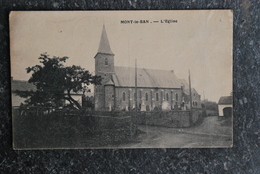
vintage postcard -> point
(121, 79)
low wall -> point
(196, 114)
(111, 129)
(59, 130)
(159, 118)
(166, 119)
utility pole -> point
(135, 85)
(136, 96)
(204, 110)
(190, 100)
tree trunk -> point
(74, 101)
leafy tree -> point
(210, 105)
(55, 82)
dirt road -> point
(212, 132)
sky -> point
(200, 41)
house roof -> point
(104, 46)
(187, 91)
(186, 87)
(22, 85)
(125, 77)
(184, 83)
(225, 100)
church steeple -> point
(104, 67)
(104, 46)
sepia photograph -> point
(121, 79)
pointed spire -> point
(104, 46)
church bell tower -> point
(104, 67)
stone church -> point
(156, 89)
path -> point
(212, 132)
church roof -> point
(109, 83)
(184, 83)
(125, 77)
(186, 87)
(225, 100)
(104, 46)
(187, 91)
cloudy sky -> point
(200, 41)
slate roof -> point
(184, 83)
(22, 85)
(186, 87)
(225, 100)
(104, 46)
(110, 82)
(187, 91)
(125, 77)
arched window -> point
(146, 96)
(123, 96)
(167, 97)
(177, 97)
(106, 61)
(157, 96)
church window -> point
(157, 97)
(176, 96)
(146, 96)
(167, 97)
(123, 96)
(106, 61)
(141, 96)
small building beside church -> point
(156, 89)
(23, 85)
(20, 85)
(196, 98)
(225, 106)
